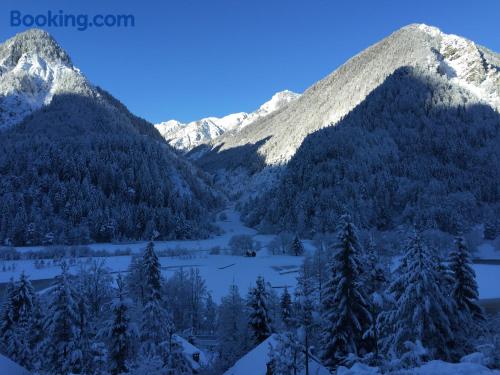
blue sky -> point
(188, 59)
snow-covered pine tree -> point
(61, 350)
(156, 325)
(8, 318)
(346, 313)
(464, 285)
(19, 348)
(420, 309)
(120, 334)
(445, 275)
(259, 317)
(24, 295)
(296, 248)
(286, 308)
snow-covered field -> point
(220, 271)
(231, 226)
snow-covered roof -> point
(188, 350)
(255, 361)
(11, 368)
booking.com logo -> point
(79, 21)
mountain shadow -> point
(417, 150)
(85, 169)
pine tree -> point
(259, 318)
(62, 353)
(8, 318)
(19, 348)
(23, 299)
(420, 312)
(297, 248)
(464, 286)
(156, 325)
(346, 312)
(286, 308)
(120, 343)
(17, 318)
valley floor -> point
(220, 271)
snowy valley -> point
(352, 229)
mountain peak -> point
(34, 42)
(471, 70)
(431, 30)
(278, 100)
(188, 136)
(34, 68)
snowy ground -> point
(220, 271)
(231, 226)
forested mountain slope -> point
(417, 150)
(82, 168)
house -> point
(256, 362)
(194, 356)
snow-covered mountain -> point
(462, 62)
(404, 132)
(67, 143)
(34, 68)
(187, 136)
